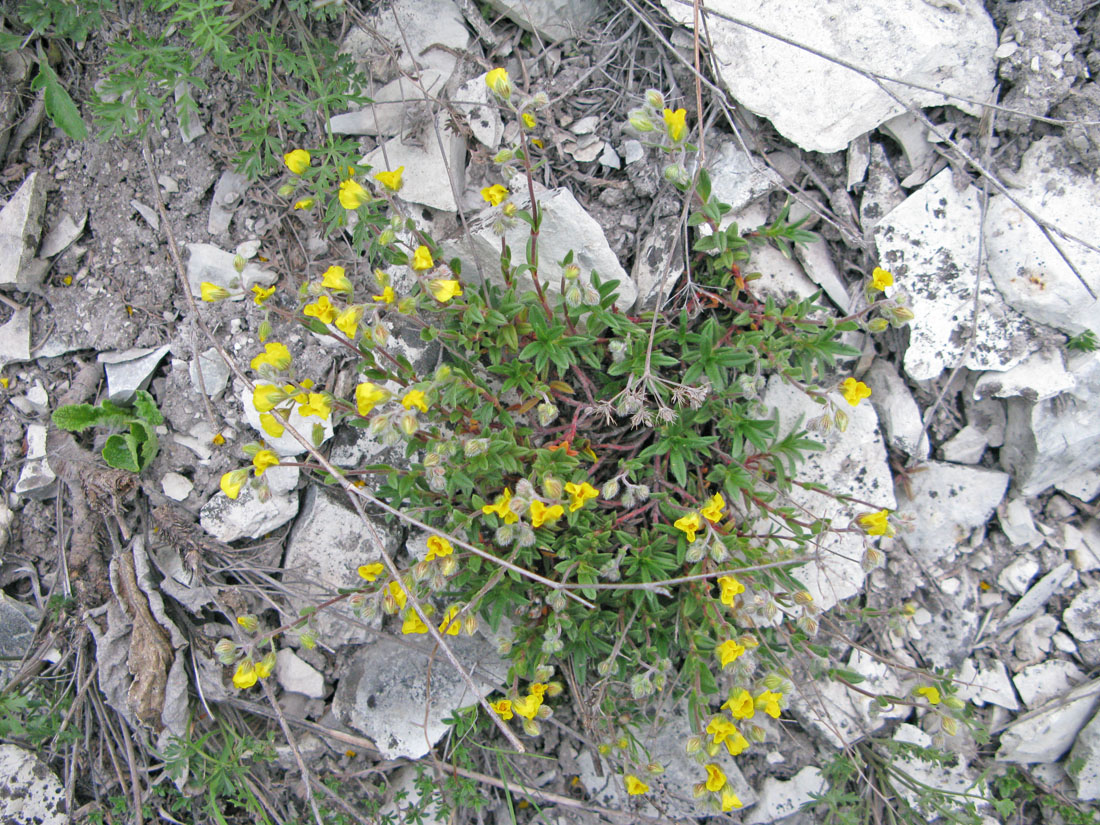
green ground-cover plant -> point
(133, 450)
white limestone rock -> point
(1017, 524)
(385, 691)
(1083, 764)
(1041, 375)
(566, 227)
(947, 49)
(1085, 486)
(987, 683)
(215, 372)
(286, 444)
(1082, 617)
(1017, 575)
(432, 174)
(394, 107)
(326, 547)
(1039, 683)
(967, 446)
(1040, 593)
(853, 463)
(29, 791)
(473, 100)
(912, 135)
(1028, 270)
(130, 371)
(817, 261)
(20, 228)
(298, 676)
(737, 178)
(552, 19)
(779, 798)
(956, 778)
(209, 263)
(177, 487)
(659, 257)
(898, 412)
(229, 519)
(15, 338)
(781, 277)
(948, 502)
(410, 29)
(36, 479)
(1044, 735)
(930, 244)
(1057, 438)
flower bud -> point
(408, 423)
(286, 190)
(610, 489)
(604, 667)
(950, 726)
(385, 238)
(543, 673)
(773, 681)
(504, 535)
(640, 121)
(448, 565)
(248, 622)
(808, 625)
(540, 99)
(264, 331)
(470, 623)
(803, 597)
(525, 536)
(603, 749)
(711, 748)
(641, 492)
(696, 552)
(877, 325)
(954, 703)
(530, 726)
(552, 487)
(840, 418)
(872, 558)
(547, 412)
(718, 552)
(552, 688)
(508, 210)
(675, 174)
(757, 733)
(503, 156)
(475, 447)
(308, 639)
(640, 686)
(226, 651)
(397, 223)
(239, 263)
(573, 296)
(556, 600)
(504, 646)
(571, 272)
(904, 315)
(699, 789)
(654, 99)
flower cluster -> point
(666, 129)
(541, 511)
(529, 708)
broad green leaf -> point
(147, 408)
(77, 417)
(121, 452)
(59, 106)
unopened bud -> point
(573, 296)
(803, 597)
(552, 487)
(675, 174)
(249, 622)
(543, 673)
(385, 238)
(540, 99)
(308, 639)
(239, 263)
(604, 667)
(470, 623)
(265, 330)
(286, 190)
(773, 681)
(954, 703)
(610, 489)
(641, 492)
(226, 651)
(872, 558)
(699, 789)
(525, 536)
(693, 745)
(408, 423)
(553, 688)
(503, 156)
(530, 727)
(695, 553)
(504, 535)
(655, 769)
(547, 412)
(448, 565)
(840, 418)
(654, 99)
(617, 348)
(640, 121)
(571, 272)
(757, 733)
(950, 726)
(556, 600)
(877, 325)
(475, 447)
(808, 625)
(904, 315)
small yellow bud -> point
(954, 703)
(239, 263)
(950, 725)
(693, 745)
(641, 121)
(248, 622)
(308, 639)
(773, 681)
(877, 325)
(286, 190)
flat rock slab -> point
(1083, 765)
(1046, 734)
(946, 47)
(1082, 617)
(385, 692)
(20, 228)
(229, 519)
(15, 338)
(29, 791)
(552, 19)
(1028, 270)
(130, 371)
(779, 798)
(930, 244)
(435, 167)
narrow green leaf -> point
(59, 106)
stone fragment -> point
(398, 692)
(215, 372)
(1041, 375)
(1035, 598)
(881, 194)
(187, 116)
(912, 135)
(287, 444)
(35, 402)
(17, 626)
(986, 683)
(1017, 575)
(948, 502)
(227, 199)
(1082, 617)
(779, 798)
(552, 19)
(738, 178)
(432, 174)
(897, 411)
(1085, 486)
(659, 257)
(566, 227)
(298, 676)
(1083, 764)
(15, 338)
(610, 158)
(1084, 547)
(859, 158)
(36, 479)
(473, 100)
(177, 487)
(1057, 438)
(62, 234)
(147, 212)
(817, 261)
(852, 464)
(411, 30)
(214, 265)
(397, 105)
(1027, 269)
(1034, 639)
(780, 277)
(632, 151)
(897, 39)
(327, 545)
(1039, 683)
(29, 791)
(130, 371)
(229, 519)
(20, 227)
(967, 446)
(930, 243)
(1017, 524)
(1044, 735)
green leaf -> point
(10, 42)
(77, 417)
(146, 408)
(121, 452)
(59, 106)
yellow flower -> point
(540, 513)
(217, 440)
(501, 508)
(716, 779)
(297, 161)
(398, 593)
(528, 706)
(304, 203)
(265, 666)
(877, 524)
(370, 572)
(579, 494)
(266, 396)
(317, 404)
(415, 398)
(689, 524)
(212, 293)
(854, 391)
(449, 626)
(725, 732)
(494, 195)
(713, 511)
(730, 588)
(259, 294)
(676, 123)
(422, 259)
(497, 81)
(322, 310)
(730, 800)
(264, 459)
(390, 180)
(528, 120)
(538, 689)
(275, 355)
(245, 676)
(741, 706)
(728, 651)
(386, 297)
(769, 703)
(413, 624)
(367, 395)
(930, 693)
(502, 708)
(444, 289)
(880, 278)
(635, 786)
(348, 320)
(352, 195)
(248, 622)
(336, 279)
(438, 547)
(272, 425)
(232, 482)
